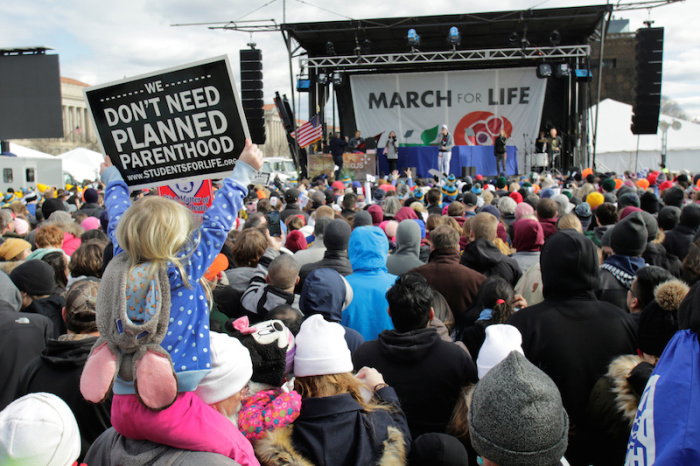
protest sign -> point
(180, 123)
(197, 196)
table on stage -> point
(423, 158)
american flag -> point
(309, 132)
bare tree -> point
(673, 109)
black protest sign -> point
(181, 123)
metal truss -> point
(394, 59)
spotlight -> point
(330, 48)
(544, 70)
(554, 38)
(337, 78)
(413, 38)
(366, 47)
(454, 37)
(513, 38)
(563, 70)
(322, 78)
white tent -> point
(617, 147)
(82, 163)
(21, 151)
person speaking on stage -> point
(391, 151)
(357, 143)
(445, 150)
(499, 150)
(554, 146)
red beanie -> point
(296, 241)
(516, 196)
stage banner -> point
(474, 104)
(356, 165)
(182, 123)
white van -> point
(279, 166)
(25, 172)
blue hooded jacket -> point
(370, 280)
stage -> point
(423, 158)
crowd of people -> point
(510, 321)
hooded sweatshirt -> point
(417, 363)
(528, 239)
(408, 244)
(571, 335)
(485, 257)
(367, 313)
(57, 370)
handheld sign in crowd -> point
(197, 196)
(180, 123)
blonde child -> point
(160, 235)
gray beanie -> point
(517, 416)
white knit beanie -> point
(38, 429)
(231, 369)
(500, 340)
(321, 349)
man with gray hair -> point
(271, 288)
(457, 283)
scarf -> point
(623, 268)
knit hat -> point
(669, 217)
(500, 340)
(594, 199)
(21, 226)
(629, 210)
(674, 196)
(34, 277)
(90, 223)
(449, 192)
(13, 247)
(628, 199)
(649, 202)
(608, 185)
(583, 210)
(609, 197)
(517, 416)
(658, 321)
(629, 236)
(337, 235)
(377, 214)
(661, 178)
(665, 185)
(652, 178)
(690, 216)
(291, 195)
(50, 206)
(436, 449)
(501, 182)
(643, 184)
(362, 219)
(523, 209)
(321, 349)
(379, 194)
(546, 193)
(516, 196)
(30, 197)
(90, 195)
(652, 226)
(296, 241)
(231, 369)
(563, 202)
(491, 209)
(38, 429)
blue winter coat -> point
(370, 280)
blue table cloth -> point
(423, 158)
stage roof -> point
(478, 30)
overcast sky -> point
(104, 41)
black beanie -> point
(34, 277)
(590, 178)
(362, 219)
(658, 321)
(674, 196)
(608, 185)
(649, 203)
(50, 206)
(629, 237)
(669, 217)
(690, 216)
(337, 235)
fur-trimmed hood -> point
(277, 449)
(628, 375)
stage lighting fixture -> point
(544, 70)
(454, 37)
(366, 47)
(413, 38)
(330, 48)
(563, 70)
(554, 38)
(322, 78)
(337, 78)
(513, 38)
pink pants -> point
(188, 424)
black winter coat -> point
(57, 370)
(50, 307)
(485, 257)
(678, 240)
(427, 373)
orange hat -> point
(586, 172)
(219, 265)
(535, 188)
(644, 184)
(618, 183)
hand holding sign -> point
(106, 164)
(252, 155)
